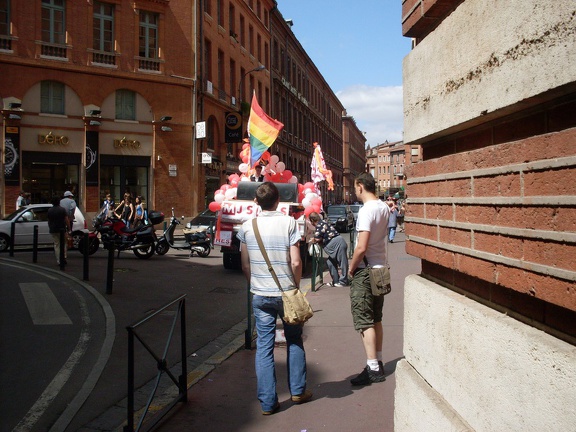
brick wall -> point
(500, 221)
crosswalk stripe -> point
(43, 306)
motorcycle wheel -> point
(145, 253)
(93, 245)
(205, 252)
(162, 247)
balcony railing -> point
(53, 50)
(149, 64)
(5, 43)
(104, 58)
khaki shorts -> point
(366, 308)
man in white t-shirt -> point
(281, 238)
(372, 228)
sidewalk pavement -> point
(225, 400)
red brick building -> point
(490, 323)
(85, 86)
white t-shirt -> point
(373, 217)
(278, 233)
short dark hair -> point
(314, 217)
(55, 201)
(366, 180)
(267, 195)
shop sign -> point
(53, 139)
(126, 143)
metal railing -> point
(162, 365)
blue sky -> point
(358, 47)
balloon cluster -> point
(273, 170)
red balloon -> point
(265, 156)
(234, 183)
(287, 174)
(308, 210)
(214, 206)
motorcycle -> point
(194, 241)
(113, 232)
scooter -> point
(113, 232)
(198, 241)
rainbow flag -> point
(263, 131)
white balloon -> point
(230, 193)
(274, 159)
(311, 195)
(245, 179)
(219, 198)
(306, 202)
(243, 167)
(293, 180)
(306, 191)
(280, 166)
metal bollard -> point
(85, 247)
(62, 249)
(35, 245)
(316, 267)
(248, 333)
(110, 271)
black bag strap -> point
(366, 262)
(264, 253)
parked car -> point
(36, 214)
(203, 220)
(355, 208)
(341, 217)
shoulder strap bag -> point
(379, 279)
(297, 309)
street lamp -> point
(256, 69)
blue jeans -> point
(391, 233)
(266, 311)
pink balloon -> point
(274, 159)
(280, 167)
(234, 183)
(308, 210)
(225, 187)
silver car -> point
(36, 214)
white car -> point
(36, 214)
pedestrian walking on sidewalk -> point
(280, 237)
(58, 221)
(370, 250)
(334, 245)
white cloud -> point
(377, 111)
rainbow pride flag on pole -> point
(262, 129)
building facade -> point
(83, 105)
(387, 162)
(354, 156)
(490, 323)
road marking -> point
(49, 394)
(44, 307)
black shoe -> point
(368, 376)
